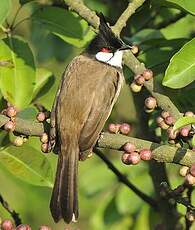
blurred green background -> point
(160, 31)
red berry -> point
(145, 154)
(23, 227)
(41, 116)
(150, 103)
(129, 147)
(164, 114)
(135, 87)
(125, 128)
(44, 138)
(9, 126)
(184, 131)
(148, 74)
(169, 120)
(134, 49)
(7, 225)
(44, 227)
(139, 79)
(11, 111)
(113, 128)
(44, 148)
(192, 170)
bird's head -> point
(106, 47)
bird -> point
(89, 88)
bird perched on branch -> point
(89, 88)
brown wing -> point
(105, 96)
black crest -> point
(104, 39)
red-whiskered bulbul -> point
(89, 88)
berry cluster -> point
(139, 80)
(8, 225)
(119, 128)
(133, 156)
(188, 173)
(11, 113)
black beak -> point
(125, 47)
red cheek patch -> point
(105, 50)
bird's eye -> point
(106, 50)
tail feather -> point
(64, 201)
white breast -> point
(114, 59)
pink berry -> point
(159, 119)
(192, 170)
(113, 128)
(129, 147)
(139, 79)
(9, 126)
(23, 227)
(145, 154)
(184, 131)
(11, 111)
(163, 125)
(164, 114)
(125, 158)
(41, 116)
(134, 158)
(190, 179)
(169, 120)
(44, 138)
(189, 114)
(150, 103)
(125, 128)
(44, 227)
(7, 225)
(148, 74)
(171, 133)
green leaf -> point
(181, 70)
(5, 6)
(183, 121)
(17, 81)
(28, 164)
(43, 76)
(65, 25)
(28, 113)
(186, 5)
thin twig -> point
(123, 179)
(13, 213)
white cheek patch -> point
(103, 56)
(114, 59)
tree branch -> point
(14, 214)
(123, 179)
(121, 22)
(160, 152)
